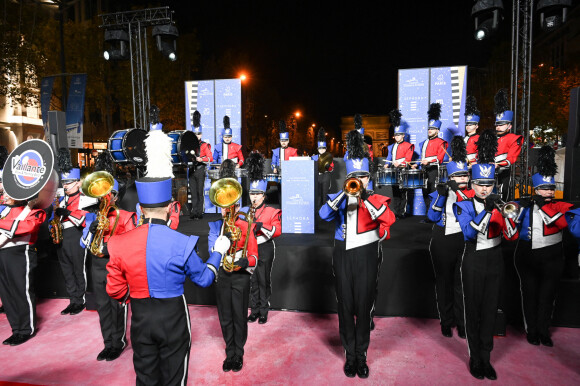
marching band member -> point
(197, 171)
(112, 315)
(362, 222)
(446, 245)
(539, 258)
(400, 155)
(233, 288)
(151, 274)
(482, 265)
(71, 255)
(172, 222)
(432, 150)
(471, 126)
(267, 227)
(323, 177)
(509, 145)
(361, 130)
(284, 152)
(228, 149)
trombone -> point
(509, 209)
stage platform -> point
(302, 277)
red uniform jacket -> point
(433, 150)
(77, 216)
(271, 225)
(127, 221)
(173, 221)
(231, 151)
(509, 147)
(402, 152)
(471, 147)
(205, 152)
(20, 231)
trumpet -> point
(352, 187)
(99, 185)
(55, 225)
(508, 209)
(225, 193)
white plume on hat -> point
(158, 149)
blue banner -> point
(228, 101)
(298, 214)
(75, 110)
(46, 86)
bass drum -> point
(128, 146)
(184, 145)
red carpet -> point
(292, 348)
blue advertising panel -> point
(298, 196)
(45, 96)
(440, 92)
(228, 101)
(75, 109)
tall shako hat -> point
(3, 157)
(434, 113)
(501, 109)
(256, 173)
(472, 114)
(483, 172)
(67, 172)
(227, 129)
(358, 124)
(547, 169)
(154, 190)
(284, 135)
(321, 138)
(458, 167)
(196, 122)
(395, 118)
(358, 162)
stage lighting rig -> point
(165, 37)
(487, 14)
(552, 13)
(118, 42)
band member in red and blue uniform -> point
(323, 177)
(284, 152)
(71, 255)
(509, 145)
(112, 314)
(472, 117)
(362, 222)
(228, 149)
(151, 274)
(267, 228)
(233, 288)
(539, 257)
(447, 243)
(482, 264)
(400, 155)
(432, 151)
(197, 171)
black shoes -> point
(362, 370)
(114, 353)
(489, 372)
(533, 339)
(350, 369)
(237, 364)
(103, 354)
(9, 340)
(461, 332)
(17, 339)
(76, 309)
(67, 309)
(252, 318)
(446, 331)
(546, 341)
(227, 366)
(475, 369)
(263, 320)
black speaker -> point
(571, 175)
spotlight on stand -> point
(553, 13)
(165, 36)
(118, 42)
(487, 14)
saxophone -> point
(55, 224)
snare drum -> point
(128, 146)
(442, 174)
(388, 177)
(273, 177)
(241, 172)
(413, 179)
(182, 143)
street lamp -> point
(243, 77)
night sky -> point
(330, 61)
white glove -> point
(222, 244)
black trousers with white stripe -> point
(446, 252)
(71, 257)
(112, 315)
(540, 271)
(356, 272)
(161, 340)
(260, 282)
(481, 275)
(16, 287)
(232, 298)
